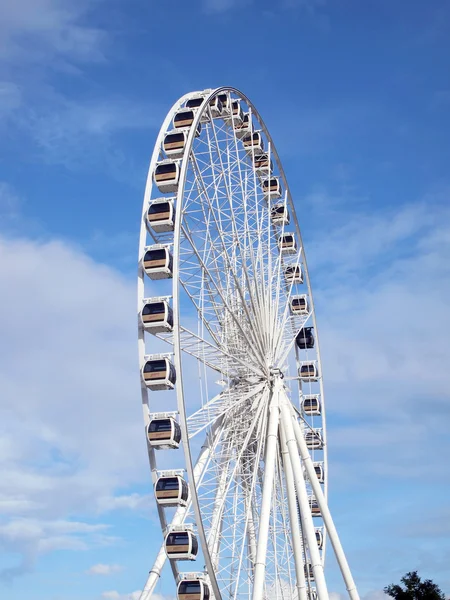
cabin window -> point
(155, 366)
(159, 207)
(159, 254)
(178, 539)
(194, 102)
(167, 484)
(160, 426)
(156, 308)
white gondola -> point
(279, 215)
(313, 439)
(253, 143)
(272, 188)
(181, 543)
(245, 127)
(263, 165)
(163, 431)
(157, 315)
(167, 176)
(194, 104)
(314, 506)
(311, 405)
(309, 573)
(175, 143)
(193, 586)
(287, 243)
(157, 262)
(235, 115)
(184, 119)
(216, 108)
(309, 371)
(319, 538)
(225, 100)
(299, 305)
(305, 338)
(318, 468)
(293, 274)
(161, 215)
(159, 373)
(171, 490)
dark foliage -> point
(414, 589)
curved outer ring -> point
(176, 309)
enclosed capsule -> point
(216, 107)
(294, 274)
(194, 104)
(244, 127)
(171, 490)
(167, 176)
(161, 215)
(272, 188)
(299, 305)
(313, 439)
(159, 374)
(314, 506)
(279, 215)
(157, 262)
(181, 544)
(225, 100)
(175, 143)
(319, 538)
(235, 115)
(309, 572)
(184, 119)
(253, 143)
(164, 432)
(311, 405)
(263, 164)
(320, 472)
(287, 244)
(157, 315)
(305, 338)
(192, 586)
(309, 372)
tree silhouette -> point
(414, 589)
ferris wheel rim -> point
(182, 409)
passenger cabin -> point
(216, 107)
(159, 374)
(195, 104)
(157, 316)
(279, 215)
(309, 372)
(287, 244)
(184, 119)
(263, 164)
(175, 143)
(236, 115)
(314, 506)
(313, 439)
(161, 215)
(319, 538)
(171, 491)
(181, 544)
(309, 572)
(272, 188)
(163, 432)
(245, 127)
(167, 176)
(305, 338)
(226, 103)
(253, 143)
(299, 305)
(193, 587)
(158, 262)
(318, 468)
(294, 274)
(311, 405)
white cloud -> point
(114, 595)
(102, 569)
(70, 391)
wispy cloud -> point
(102, 569)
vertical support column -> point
(326, 515)
(302, 495)
(266, 502)
(294, 519)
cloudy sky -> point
(357, 98)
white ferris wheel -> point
(231, 377)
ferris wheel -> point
(230, 369)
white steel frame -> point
(250, 484)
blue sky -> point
(357, 98)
